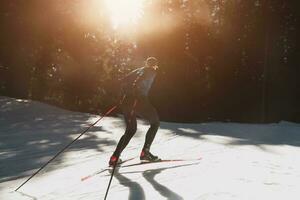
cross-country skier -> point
(135, 87)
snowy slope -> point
(239, 161)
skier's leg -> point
(131, 126)
(149, 113)
(154, 125)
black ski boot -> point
(147, 156)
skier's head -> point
(152, 62)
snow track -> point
(239, 161)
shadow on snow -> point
(136, 191)
(30, 131)
(284, 133)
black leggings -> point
(133, 107)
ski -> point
(103, 170)
(158, 161)
(137, 164)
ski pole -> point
(112, 174)
(67, 146)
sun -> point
(124, 13)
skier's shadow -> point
(135, 190)
(149, 175)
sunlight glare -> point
(124, 12)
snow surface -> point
(239, 161)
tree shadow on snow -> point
(283, 133)
(31, 133)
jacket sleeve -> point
(131, 81)
(136, 85)
(143, 82)
(138, 79)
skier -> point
(135, 88)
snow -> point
(239, 161)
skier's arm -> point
(137, 83)
(138, 79)
(143, 82)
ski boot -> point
(114, 161)
(148, 157)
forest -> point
(219, 60)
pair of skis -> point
(121, 165)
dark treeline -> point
(228, 60)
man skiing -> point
(135, 88)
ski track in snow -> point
(239, 161)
